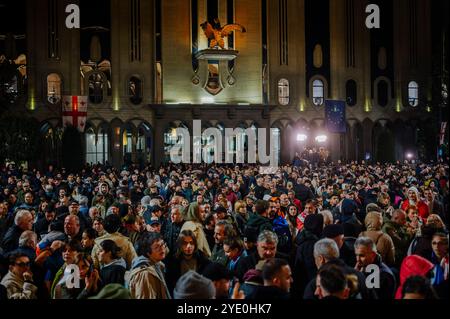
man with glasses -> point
(19, 279)
(147, 279)
(439, 244)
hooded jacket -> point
(147, 279)
(257, 224)
(17, 288)
(194, 224)
(127, 251)
(173, 269)
(384, 243)
(422, 207)
(400, 238)
(413, 265)
(114, 272)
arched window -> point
(135, 90)
(97, 148)
(53, 88)
(383, 94)
(318, 56)
(382, 58)
(283, 92)
(277, 137)
(127, 141)
(318, 92)
(171, 138)
(413, 94)
(351, 93)
(95, 88)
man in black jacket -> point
(260, 221)
(22, 221)
(305, 267)
(266, 248)
(42, 226)
(326, 252)
(173, 228)
(277, 278)
(303, 192)
(369, 262)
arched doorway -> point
(144, 145)
(384, 144)
(72, 149)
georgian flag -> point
(74, 111)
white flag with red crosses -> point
(74, 111)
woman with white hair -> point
(414, 199)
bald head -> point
(399, 217)
(72, 225)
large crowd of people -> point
(334, 231)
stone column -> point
(337, 49)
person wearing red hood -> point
(414, 200)
(413, 265)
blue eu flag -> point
(335, 116)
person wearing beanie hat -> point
(332, 231)
(414, 200)
(345, 245)
(348, 209)
(112, 291)
(194, 286)
(305, 267)
(220, 276)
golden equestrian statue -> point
(216, 33)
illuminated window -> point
(318, 92)
(95, 88)
(413, 94)
(283, 92)
(97, 146)
(53, 88)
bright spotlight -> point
(321, 139)
(301, 137)
(409, 155)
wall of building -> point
(352, 55)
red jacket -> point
(413, 265)
(421, 206)
(297, 204)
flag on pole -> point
(442, 133)
(74, 112)
(335, 116)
